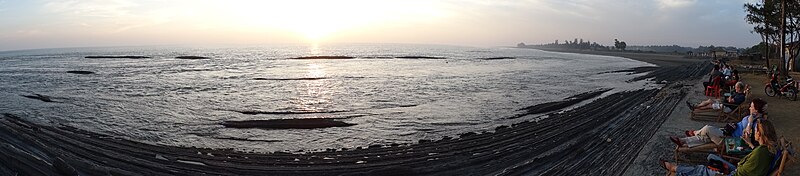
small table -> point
(736, 146)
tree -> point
(620, 45)
(766, 18)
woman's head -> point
(758, 106)
(765, 133)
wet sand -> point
(600, 138)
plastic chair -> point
(715, 89)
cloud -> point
(3, 5)
(675, 3)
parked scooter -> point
(788, 90)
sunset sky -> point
(27, 24)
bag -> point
(729, 129)
(719, 166)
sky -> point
(30, 24)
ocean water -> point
(163, 100)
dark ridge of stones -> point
(288, 79)
(377, 57)
(675, 73)
(80, 72)
(419, 57)
(246, 139)
(41, 97)
(324, 57)
(287, 123)
(253, 112)
(192, 57)
(636, 70)
(497, 58)
(566, 102)
(116, 57)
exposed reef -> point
(496, 58)
(636, 70)
(324, 57)
(287, 123)
(254, 112)
(41, 97)
(566, 102)
(80, 72)
(116, 57)
(419, 57)
(286, 79)
(192, 57)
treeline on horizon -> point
(622, 46)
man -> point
(717, 104)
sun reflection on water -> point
(315, 95)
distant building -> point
(521, 45)
(732, 53)
(722, 53)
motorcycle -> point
(788, 90)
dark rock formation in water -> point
(116, 57)
(324, 57)
(192, 57)
(41, 97)
(286, 123)
(566, 102)
(419, 57)
(80, 72)
(287, 79)
(496, 58)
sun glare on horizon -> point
(318, 20)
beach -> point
(660, 147)
(601, 137)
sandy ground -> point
(784, 113)
(781, 111)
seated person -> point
(733, 79)
(756, 163)
(709, 134)
(716, 104)
(714, 76)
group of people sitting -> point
(754, 130)
(722, 75)
(759, 161)
(725, 104)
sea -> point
(392, 93)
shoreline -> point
(662, 60)
(604, 136)
(606, 133)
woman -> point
(709, 133)
(755, 163)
